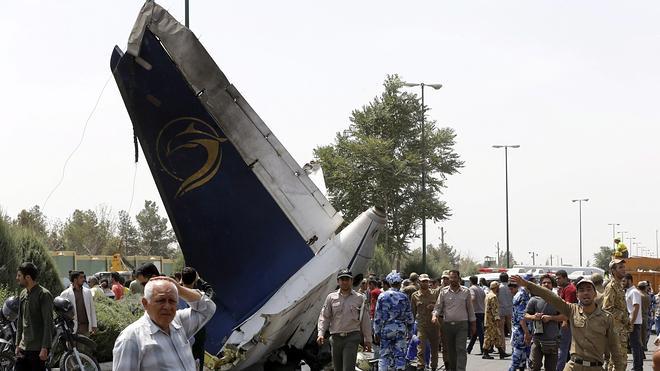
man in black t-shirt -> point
(546, 319)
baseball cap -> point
(586, 281)
(424, 277)
(344, 273)
(445, 274)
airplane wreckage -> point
(245, 214)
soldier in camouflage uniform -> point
(393, 322)
(423, 302)
(614, 302)
(493, 333)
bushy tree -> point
(19, 244)
(128, 234)
(379, 161)
(30, 247)
(155, 235)
(33, 219)
(90, 232)
(603, 257)
(382, 262)
(9, 260)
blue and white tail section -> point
(245, 213)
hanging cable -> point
(43, 206)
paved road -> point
(477, 363)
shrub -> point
(8, 257)
(113, 316)
(30, 247)
(19, 244)
(6, 292)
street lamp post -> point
(613, 233)
(436, 87)
(580, 202)
(506, 191)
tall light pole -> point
(580, 202)
(613, 233)
(423, 119)
(506, 191)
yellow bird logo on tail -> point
(189, 141)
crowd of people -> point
(552, 322)
(169, 336)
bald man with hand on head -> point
(159, 339)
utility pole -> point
(550, 259)
(442, 236)
(498, 253)
(187, 14)
(534, 255)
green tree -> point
(379, 161)
(603, 257)
(20, 244)
(30, 247)
(468, 266)
(502, 258)
(90, 232)
(33, 219)
(155, 235)
(9, 259)
(128, 235)
(381, 264)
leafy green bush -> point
(8, 256)
(30, 247)
(19, 244)
(113, 316)
(6, 292)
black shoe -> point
(487, 356)
(504, 355)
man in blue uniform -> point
(393, 322)
(521, 337)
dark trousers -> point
(30, 361)
(198, 347)
(564, 347)
(636, 347)
(480, 333)
(344, 350)
(455, 334)
(548, 359)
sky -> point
(575, 84)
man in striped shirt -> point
(159, 339)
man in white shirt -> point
(159, 339)
(634, 304)
(84, 320)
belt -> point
(582, 362)
(344, 334)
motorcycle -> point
(69, 351)
(8, 316)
